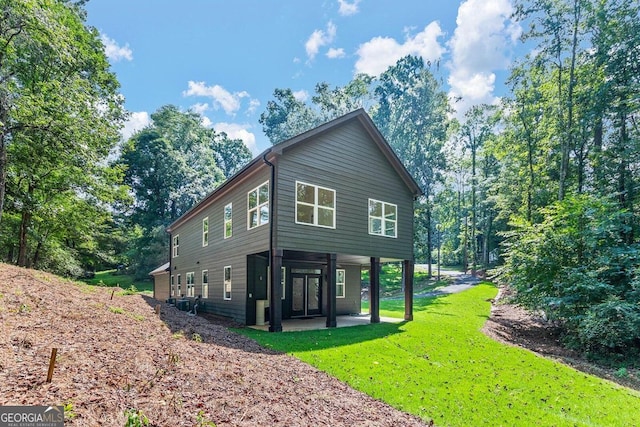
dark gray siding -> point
(351, 303)
(348, 161)
(222, 252)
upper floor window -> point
(315, 205)
(258, 206)
(175, 247)
(228, 221)
(340, 283)
(205, 231)
(383, 218)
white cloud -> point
(114, 51)
(200, 108)
(318, 39)
(301, 95)
(379, 53)
(347, 8)
(238, 131)
(229, 102)
(253, 105)
(335, 53)
(137, 121)
(480, 45)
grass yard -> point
(441, 367)
(109, 279)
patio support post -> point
(374, 290)
(331, 291)
(275, 304)
(407, 271)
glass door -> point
(306, 295)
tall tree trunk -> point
(24, 228)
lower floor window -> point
(191, 285)
(340, 283)
(172, 286)
(227, 282)
(205, 284)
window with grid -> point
(191, 284)
(228, 221)
(205, 231)
(315, 205)
(340, 283)
(205, 284)
(175, 246)
(227, 282)
(258, 206)
(383, 218)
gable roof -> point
(363, 118)
(359, 115)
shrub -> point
(612, 326)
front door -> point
(306, 299)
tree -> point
(286, 117)
(412, 114)
(170, 166)
(60, 113)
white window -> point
(205, 231)
(315, 205)
(190, 284)
(172, 283)
(228, 221)
(227, 282)
(283, 282)
(175, 246)
(340, 283)
(205, 284)
(258, 206)
(179, 290)
(383, 218)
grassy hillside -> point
(441, 367)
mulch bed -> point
(179, 370)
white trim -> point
(191, 284)
(259, 206)
(344, 283)
(315, 205)
(224, 283)
(175, 246)
(230, 220)
(205, 233)
(202, 287)
(383, 220)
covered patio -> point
(312, 323)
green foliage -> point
(171, 165)
(576, 267)
(135, 418)
(441, 366)
(60, 112)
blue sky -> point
(224, 59)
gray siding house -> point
(288, 235)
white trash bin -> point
(260, 304)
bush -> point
(576, 267)
(612, 326)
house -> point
(160, 281)
(318, 208)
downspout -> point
(275, 258)
(271, 197)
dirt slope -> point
(115, 354)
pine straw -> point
(116, 354)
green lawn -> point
(441, 367)
(124, 281)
